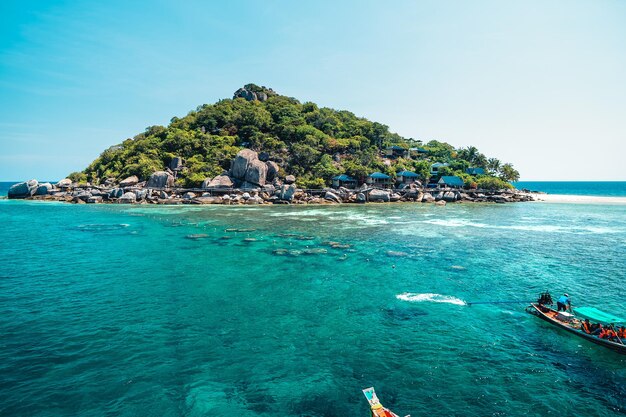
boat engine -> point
(545, 299)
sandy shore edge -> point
(579, 199)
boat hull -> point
(546, 313)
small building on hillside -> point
(451, 181)
(434, 168)
(475, 171)
(395, 151)
(344, 180)
(417, 152)
(406, 177)
(379, 179)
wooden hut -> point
(406, 177)
(343, 180)
(434, 168)
(395, 151)
(451, 181)
(379, 179)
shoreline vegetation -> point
(262, 147)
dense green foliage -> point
(310, 142)
(493, 183)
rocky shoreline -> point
(251, 180)
(140, 194)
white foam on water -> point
(429, 297)
(454, 223)
(546, 228)
(305, 213)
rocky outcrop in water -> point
(23, 189)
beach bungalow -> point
(406, 177)
(379, 179)
(344, 180)
(475, 171)
(434, 168)
(395, 151)
(451, 181)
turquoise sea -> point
(593, 188)
(111, 310)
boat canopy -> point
(594, 314)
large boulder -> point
(256, 172)
(379, 195)
(44, 189)
(360, 198)
(240, 164)
(428, 198)
(142, 194)
(116, 193)
(130, 181)
(23, 189)
(245, 94)
(176, 163)
(269, 189)
(290, 179)
(332, 197)
(449, 197)
(221, 181)
(286, 192)
(65, 182)
(127, 198)
(272, 171)
(82, 195)
(160, 179)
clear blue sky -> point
(541, 84)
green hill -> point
(310, 142)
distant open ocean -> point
(593, 188)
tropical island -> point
(263, 147)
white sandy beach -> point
(580, 199)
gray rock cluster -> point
(246, 93)
(252, 179)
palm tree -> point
(508, 173)
(493, 165)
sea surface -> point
(591, 188)
(109, 310)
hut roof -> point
(379, 176)
(407, 174)
(343, 177)
(475, 171)
(451, 180)
(439, 164)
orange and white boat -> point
(377, 408)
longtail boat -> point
(572, 324)
(377, 408)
